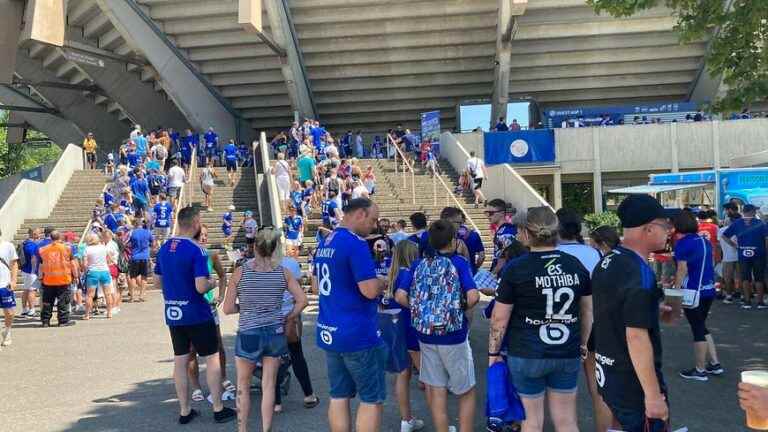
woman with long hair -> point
(548, 313)
(98, 277)
(604, 238)
(283, 177)
(256, 293)
(207, 182)
(405, 344)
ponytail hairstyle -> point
(267, 242)
(569, 225)
(542, 227)
(405, 253)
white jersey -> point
(250, 226)
(8, 255)
(475, 167)
(96, 256)
(176, 177)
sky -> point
(473, 116)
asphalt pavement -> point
(115, 375)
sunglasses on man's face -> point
(492, 212)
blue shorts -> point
(392, 329)
(360, 371)
(94, 279)
(7, 299)
(533, 377)
(227, 230)
(254, 344)
(231, 165)
(636, 421)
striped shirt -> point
(261, 296)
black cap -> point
(638, 210)
(749, 208)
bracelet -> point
(496, 354)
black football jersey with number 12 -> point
(545, 289)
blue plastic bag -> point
(502, 401)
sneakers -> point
(761, 306)
(728, 299)
(6, 337)
(694, 374)
(226, 395)
(714, 369)
(66, 324)
(746, 306)
(411, 425)
(452, 429)
(225, 415)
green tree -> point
(578, 196)
(738, 30)
(19, 157)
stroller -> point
(283, 376)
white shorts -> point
(293, 243)
(30, 281)
(162, 233)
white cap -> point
(232, 208)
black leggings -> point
(300, 369)
(697, 318)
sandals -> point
(198, 396)
(312, 403)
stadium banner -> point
(430, 130)
(520, 147)
(594, 116)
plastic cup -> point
(674, 299)
(760, 379)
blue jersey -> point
(317, 134)
(184, 260)
(140, 190)
(306, 194)
(422, 240)
(750, 237)
(141, 240)
(382, 266)
(29, 249)
(467, 284)
(108, 199)
(696, 251)
(293, 227)
(544, 289)
(163, 211)
(226, 225)
(474, 244)
(503, 237)
(348, 320)
(111, 221)
(230, 151)
(296, 198)
(210, 139)
(141, 145)
(133, 159)
(188, 143)
(329, 212)
(127, 206)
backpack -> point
(161, 152)
(156, 182)
(436, 297)
(22, 258)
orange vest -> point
(57, 264)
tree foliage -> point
(16, 158)
(738, 31)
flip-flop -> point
(312, 403)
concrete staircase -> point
(396, 202)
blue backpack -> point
(436, 297)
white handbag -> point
(691, 297)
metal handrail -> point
(274, 201)
(449, 193)
(410, 168)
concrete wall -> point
(666, 147)
(503, 181)
(35, 200)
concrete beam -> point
(10, 33)
(74, 106)
(254, 90)
(216, 39)
(609, 55)
(438, 79)
(404, 25)
(239, 78)
(384, 12)
(435, 39)
(393, 117)
(248, 51)
(598, 82)
(139, 99)
(401, 55)
(394, 69)
(617, 41)
(58, 129)
(194, 96)
(594, 28)
(239, 65)
(292, 64)
(261, 101)
(44, 21)
(465, 91)
(162, 11)
(581, 95)
(522, 72)
(390, 106)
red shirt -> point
(708, 230)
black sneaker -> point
(728, 300)
(225, 415)
(714, 369)
(188, 418)
(694, 374)
(66, 324)
(46, 324)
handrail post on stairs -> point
(434, 189)
(413, 186)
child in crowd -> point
(294, 232)
(97, 214)
(226, 228)
(308, 199)
(126, 201)
(250, 226)
(369, 180)
(296, 198)
(376, 149)
(109, 167)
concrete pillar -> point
(675, 147)
(58, 129)
(557, 183)
(292, 64)
(10, 31)
(597, 175)
(500, 96)
(195, 97)
(44, 21)
(715, 125)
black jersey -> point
(545, 289)
(626, 295)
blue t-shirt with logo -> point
(750, 237)
(179, 261)
(474, 244)
(230, 151)
(293, 227)
(163, 211)
(141, 240)
(210, 139)
(422, 240)
(382, 266)
(29, 248)
(141, 145)
(696, 251)
(503, 237)
(296, 199)
(329, 212)
(187, 144)
(140, 189)
(348, 320)
(467, 284)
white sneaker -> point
(452, 429)
(6, 336)
(225, 396)
(411, 425)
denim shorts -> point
(256, 343)
(95, 279)
(533, 377)
(350, 373)
(392, 331)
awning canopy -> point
(652, 189)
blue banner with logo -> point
(520, 147)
